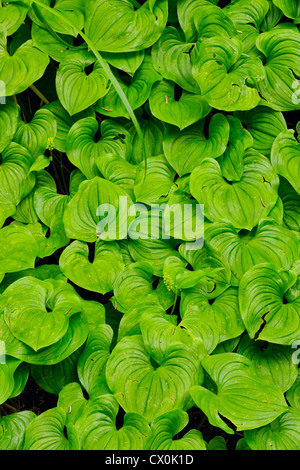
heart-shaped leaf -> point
(83, 151)
(22, 69)
(185, 150)
(180, 111)
(244, 203)
(12, 429)
(78, 87)
(141, 27)
(267, 313)
(38, 312)
(238, 389)
(164, 429)
(147, 388)
(97, 274)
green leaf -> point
(53, 378)
(172, 59)
(129, 62)
(137, 89)
(264, 125)
(243, 249)
(83, 151)
(16, 179)
(118, 171)
(37, 134)
(164, 429)
(231, 162)
(158, 180)
(285, 156)
(290, 8)
(12, 429)
(154, 252)
(242, 398)
(97, 427)
(22, 69)
(182, 112)
(160, 332)
(201, 19)
(12, 15)
(47, 432)
(72, 10)
(291, 205)
(132, 284)
(98, 210)
(13, 257)
(98, 274)
(213, 319)
(281, 50)
(222, 72)
(270, 361)
(141, 28)
(8, 122)
(147, 389)
(247, 11)
(92, 361)
(38, 312)
(57, 48)
(70, 342)
(7, 377)
(77, 87)
(153, 133)
(267, 314)
(281, 434)
(185, 150)
(244, 203)
(64, 122)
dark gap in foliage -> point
(65, 432)
(91, 247)
(284, 300)
(264, 346)
(189, 267)
(89, 69)
(223, 3)
(206, 128)
(32, 398)
(48, 233)
(227, 181)
(261, 326)
(175, 309)
(155, 283)
(228, 422)
(211, 301)
(78, 41)
(292, 118)
(120, 418)
(90, 295)
(190, 49)
(98, 135)
(154, 364)
(85, 394)
(213, 289)
(177, 92)
(8, 221)
(145, 115)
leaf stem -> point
(39, 94)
